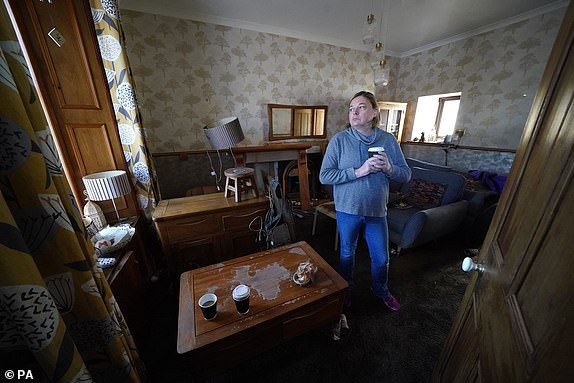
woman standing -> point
(361, 190)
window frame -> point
(438, 118)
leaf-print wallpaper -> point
(189, 74)
(498, 73)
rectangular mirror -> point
(295, 121)
(302, 125)
(320, 115)
(282, 124)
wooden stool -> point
(243, 181)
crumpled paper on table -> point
(305, 272)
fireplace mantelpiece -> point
(280, 152)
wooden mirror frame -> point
(285, 121)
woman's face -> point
(361, 113)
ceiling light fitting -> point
(377, 52)
(377, 56)
(369, 30)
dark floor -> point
(382, 346)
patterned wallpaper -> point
(498, 73)
(190, 73)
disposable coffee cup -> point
(241, 298)
(208, 305)
(375, 150)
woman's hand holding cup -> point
(379, 161)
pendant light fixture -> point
(369, 30)
(377, 55)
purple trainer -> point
(392, 302)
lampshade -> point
(224, 133)
(107, 185)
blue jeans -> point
(377, 236)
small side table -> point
(127, 279)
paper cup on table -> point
(208, 305)
(241, 298)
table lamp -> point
(223, 134)
(107, 185)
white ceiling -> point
(412, 25)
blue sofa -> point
(411, 225)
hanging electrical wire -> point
(277, 226)
(217, 175)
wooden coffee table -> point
(279, 308)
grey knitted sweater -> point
(368, 195)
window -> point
(436, 116)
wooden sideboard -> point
(205, 229)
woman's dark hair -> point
(371, 97)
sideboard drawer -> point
(318, 314)
(240, 221)
(194, 227)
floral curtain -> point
(56, 307)
(111, 40)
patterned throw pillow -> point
(424, 194)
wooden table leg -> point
(303, 180)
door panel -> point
(81, 137)
(74, 87)
(523, 301)
(550, 274)
(93, 152)
(465, 364)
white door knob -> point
(469, 265)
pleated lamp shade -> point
(107, 185)
(224, 133)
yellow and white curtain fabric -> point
(120, 82)
(57, 311)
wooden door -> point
(516, 322)
(73, 89)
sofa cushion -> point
(398, 218)
(454, 180)
(425, 194)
